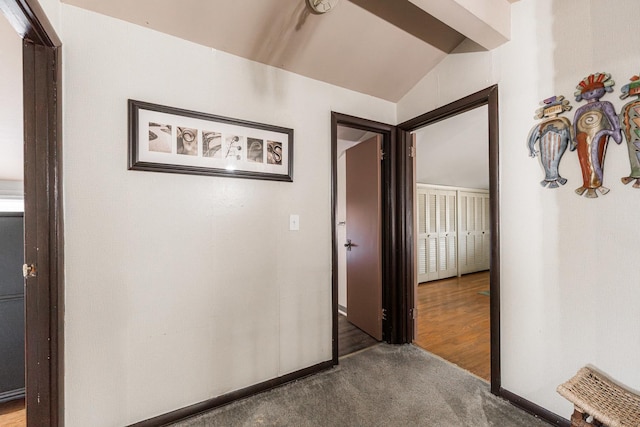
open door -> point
(364, 236)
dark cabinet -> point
(11, 306)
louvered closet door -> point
(447, 237)
(485, 263)
(427, 235)
(466, 252)
(423, 242)
(478, 241)
(475, 237)
(437, 234)
(431, 212)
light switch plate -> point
(294, 222)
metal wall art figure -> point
(630, 123)
(593, 124)
(554, 133)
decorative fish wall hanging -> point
(630, 123)
(553, 134)
(593, 124)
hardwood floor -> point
(350, 338)
(453, 321)
(13, 414)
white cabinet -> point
(453, 231)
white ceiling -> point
(455, 151)
(378, 47)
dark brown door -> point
(364, 227)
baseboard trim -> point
(533, 409)
(216, 402)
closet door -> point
(485, 263)
(427, 235)
(474, 247)
(447, 236)
(423, 241)
(437, 234)
(466, 248)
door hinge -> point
(382, 154)
(384, 314)
(413, 313)
(412, 151)
(29, 270)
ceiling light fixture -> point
(322, 6)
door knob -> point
(348, 245)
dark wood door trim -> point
(389, 237)
(43, 211)
(489, 97)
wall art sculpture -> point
(630, 123)
(593, 124)
(553, 134)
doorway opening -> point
(43, 228)
(453, 240)
(12, 298)
(455, 236)
(361, 223)
(359, 226)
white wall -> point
(569, 270)
(11, 196)
(11, 127)
(455, 151)
(52, 9)
(180, 288)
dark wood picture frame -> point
(184, 148)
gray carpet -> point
(383, 385)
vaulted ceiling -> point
(378, 47)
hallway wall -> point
(180, 288)
(569, 270)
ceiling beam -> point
(486, 22)
(416, 21)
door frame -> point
(44, 298)
(389, 235)
(489, 97)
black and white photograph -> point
(211, 144)
(274, 153)
(159, 137)
(175, 140)
(255, 150)
(187, 140)
(233, 148)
